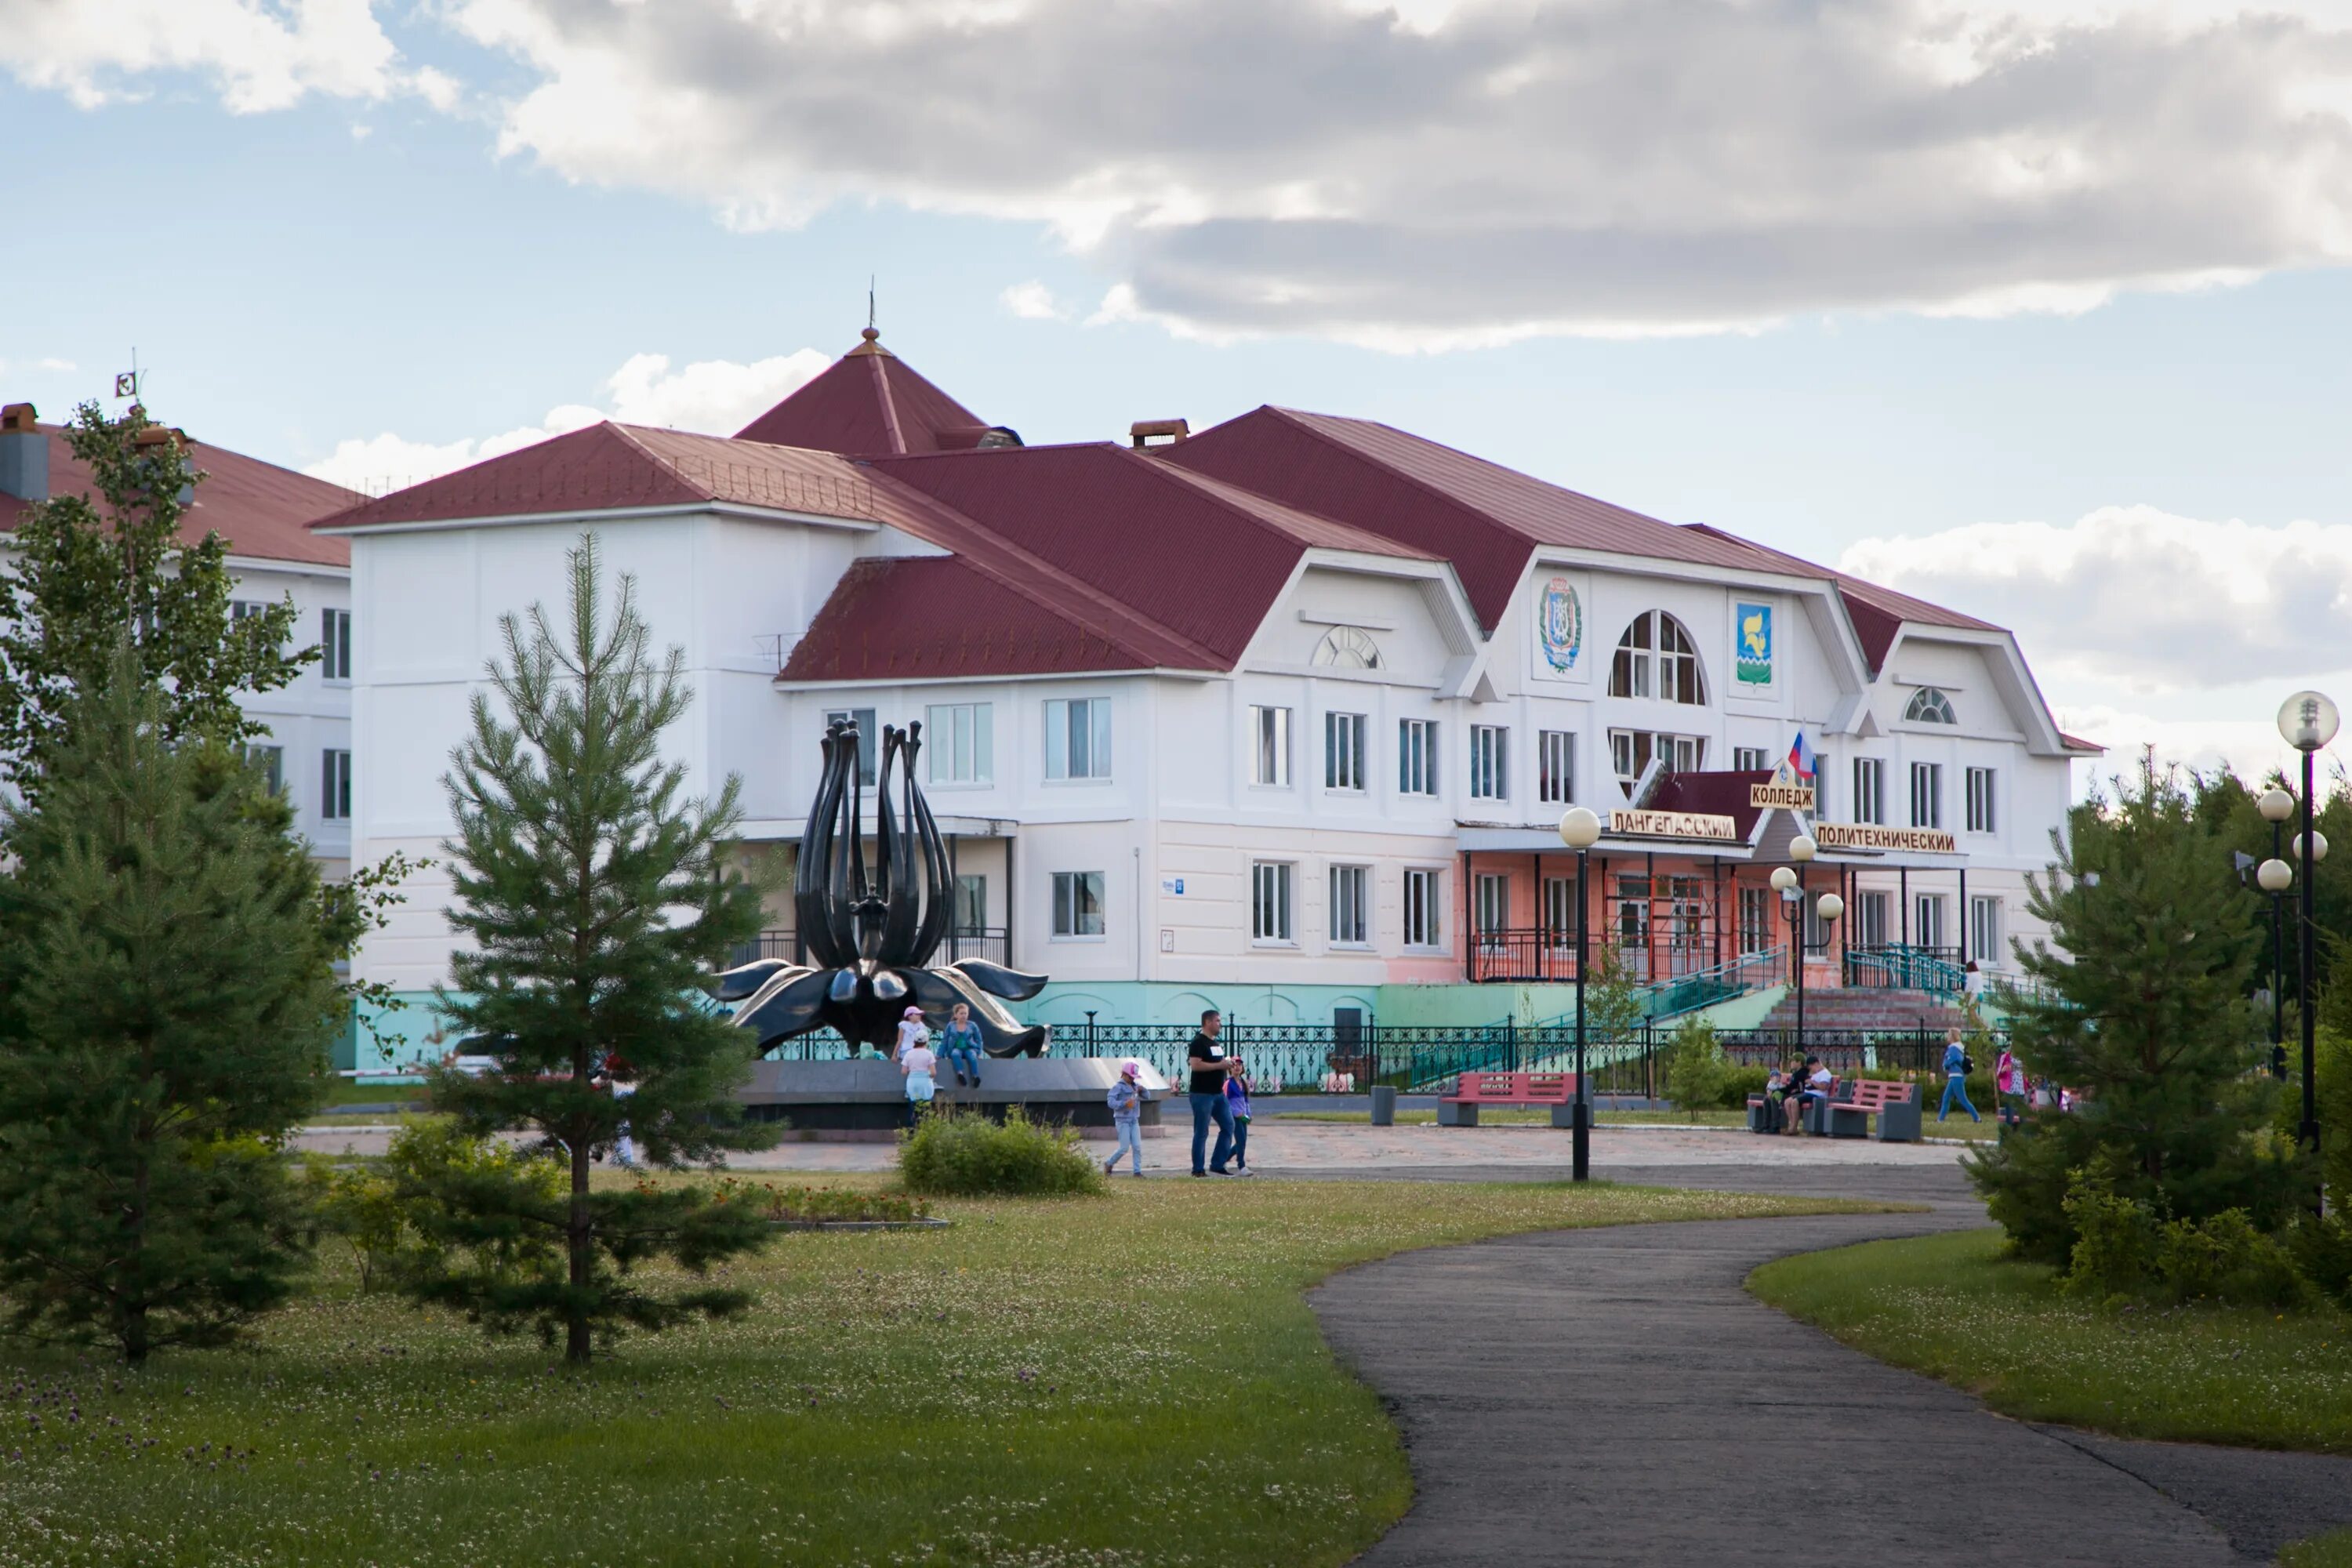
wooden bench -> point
(1472, 1090)
(1850, 1107)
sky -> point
(2039, 308)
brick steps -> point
(1839, 1008)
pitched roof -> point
(607, 466)
(930, 617)
(1876, 612)
(868, 402)
(1723, 793)
(1202, 560)
(261, 509)
(1486, 519)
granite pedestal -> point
(865, 1098)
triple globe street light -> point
(2309, 720)
(1789, 882)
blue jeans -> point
(964, 1062)
(1957, 1086)
(1131, 1141)
(1241, 1141)
(1206, 1108)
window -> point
(1489, 762)
(246, 609)
(1343, 750)
(1927, 921)
(1351, 905)
(1348, 647)
(1655, 658)
(1555, 767)
(335, 644)
(1980, 807)
(869, 738)
(1270, 747)
(960, 743)
(1423, 919)
(1560, 911)
(1077, 738)
(1491, 909)
(1630, 751)
(1270, 901)
(1416, 756)
(1930, 706)
(1755, 919)
(1077, 903)
(1926, 795)
(1985, 944)
(271, 761)
(1751, 760)
(1870, 790)
(1870, 920)
(335, 786)
(967, 912)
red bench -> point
(1472, 1090)
(1896, 1106)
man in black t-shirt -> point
(1208, 1093)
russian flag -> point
(1802, 758)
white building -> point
(263, 511)
(1279, 717)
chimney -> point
(1145, 434)
(24, 454)
(172, 437)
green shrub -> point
(965, 1155)
(2115, 1242)
(1696, 1068)
(1739, 1083)
(394, 1226)
(2323, 1254)
(2225, 1259)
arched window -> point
(1348, 647)
(1655, 658)
(1930, 706)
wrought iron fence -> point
(1893, 966)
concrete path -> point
(1615, 1396)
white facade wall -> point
(311, 717)
(1180, 804)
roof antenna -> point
(870, 329)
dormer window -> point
(1930, 706)
(1348, 647)
(1657, 658)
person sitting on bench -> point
(1778, 1083)
(1816, 1081)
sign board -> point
(1867, 836)
(1559, 625)
(1784, 797)
(1672, 824)
(1752, 654)
(1172, 886)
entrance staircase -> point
(1866, 1010)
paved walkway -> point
(1615, 1396)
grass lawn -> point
(1950, 1306)
(1124, 1381)
(343, 1092)
(2333, 1550)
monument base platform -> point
(865, 1098)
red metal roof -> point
(607, 466)
(1203, 561)
(1876, 612)
(1719, 793)
(1486, 519)
(936, 616)
(867, 403)
(263, 510)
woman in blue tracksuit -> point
(1237, 1102)
(1956, 1077)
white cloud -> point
(1032, 301)
(260, 54)
(713, 397)
(1473, 170)
(2147, 628)
(54, 365)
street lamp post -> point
(2273, 875)
(1579, 829)
(2309, 722)
(1790, 882)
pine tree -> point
(597, 901)
(88, 572)
(2150, 1023)
(166, 998)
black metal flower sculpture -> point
(870, 937)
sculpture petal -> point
(787, 1006)
(999, 981)
(735, 984)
